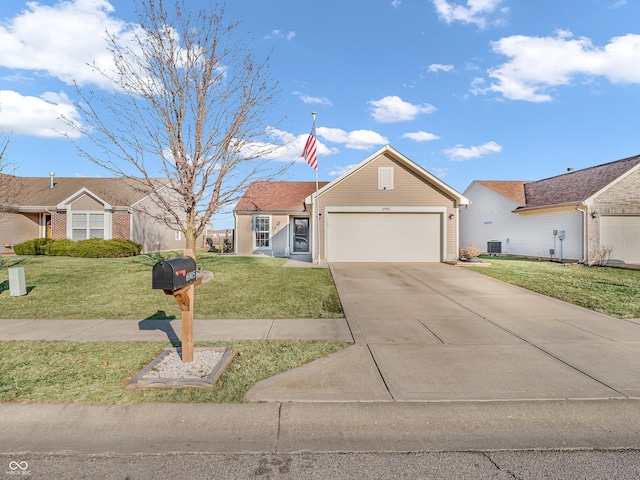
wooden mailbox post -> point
(178, 279)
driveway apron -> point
(436, 332)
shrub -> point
(60, 248)
(600, 255)
(469, 251)
(37, 246)
(92, 248)
(99, 248)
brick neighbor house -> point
(82, 208)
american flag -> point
(309, 152)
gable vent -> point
(385, 178)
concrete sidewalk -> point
(171, 330)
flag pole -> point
(316, 207)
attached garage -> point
(622, 232)
(384, 237)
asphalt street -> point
(498, 465)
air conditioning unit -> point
(494, 247)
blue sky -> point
(468, 89)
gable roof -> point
(577, 186)
(37, 191)
(571, 187)
(409, 164)
(276, 196)
(512, 189)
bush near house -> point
(92, 248)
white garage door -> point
(623, 234)
(383, 237)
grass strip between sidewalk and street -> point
(612, 291)
(96, 372)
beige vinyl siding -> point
(18, 227)
(244, 234)
(87, 202)
(409, 190)
(278, 238)
(153, 234)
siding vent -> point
(385, 178)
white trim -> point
(106, 222)
(589, 201)
(64, 204)
(253, 231)
(411, 165)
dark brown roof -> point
(576, 186)
(121, 192)
(512, 189)
(567, 188)
(276, 196)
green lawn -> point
(612, 291)
(242, 288)
(97, 371)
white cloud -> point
(459, 153)
(537, 64)
(393, 109)
(38, 117)
(308, 99)
(279, 34)
(61, 40)
(355, 140)
(437, 67)
(340, 170)
(285, 146)
(421, 136)
(475, 12)
(396, 3)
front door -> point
(300, 235)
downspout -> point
(585, 233)
(235, 233)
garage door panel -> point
(623, 234)
(383, 237)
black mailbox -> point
(174, 273)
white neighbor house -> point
(567, 217)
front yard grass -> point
(96, 372)
(103, 288)
(612, 291)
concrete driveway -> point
(435, 332)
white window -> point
(385, 178)
(87, 225)
(262, 229)
(178, 235)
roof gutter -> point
(544, 207)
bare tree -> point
(188, 105)
(10, 186)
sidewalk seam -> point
(277, 445)
(373, 357)
(83, 330)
